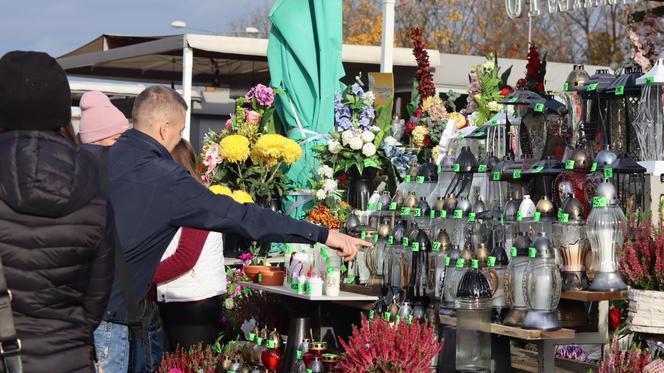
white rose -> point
(321, 194)
(493, 106)
(329, 185)
(355, 143)
(368, 149)
(325, 171)
(346, 136)
(375, 129)
(368, 136)
(368, 98)
(334, 147)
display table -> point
(281, 290)
(516, 332)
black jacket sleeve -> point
(102, 271)
(195, 206)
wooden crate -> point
(646, 311)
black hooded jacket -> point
(56, 246)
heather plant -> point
(379, 346)
(619, 358)
(196, 359)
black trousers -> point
(188, 323)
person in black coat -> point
(56, 228)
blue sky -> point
(59, 26)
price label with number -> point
(539, 108)
(443, 214)
(650, 79)
(387, 316)
(514, 251)
(460, 262)
(363, 235)
(564, 218)
(458, 214)
(252, 337)
(532, 252)
(447, 261)
(420, 179)
(481, 168)
(405, 211)
(393, 206)
(496, 176)
(432, 214)
(417, 212)
(516, 174)
(390, 240)
(416, 246)
(472, 217)
(475, 263)
(371, 207)
(592, 87)
(537, 216)
(513, 99)
(519, 216)
(343, 268)
(491, 261)
(600, 202)
(405, 241)
(372, 313)
(569, 165)
(436, 246)
(260, 277)
(440, 169)
(608, 172)
(566, 87)
(620, 90)
(456, 167)
(593, 168)
(407, 179)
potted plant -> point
(329, 209)
(254, 263)
(196, 359)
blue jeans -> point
(146, 358)
(112, 345)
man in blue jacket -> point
(152, 196)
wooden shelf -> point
(520, 333)
(343, 296)
(593, 296)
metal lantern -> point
(455, 275)
(449, 292)
(649, 121)
(605, 230)
(603, 159)
(418, 284)
(445, 175)
(569, 236)
(623, 95)
(542, 174)
(595, 105)
(629, 180)
(496, 267)
(465, 166)
(574, 83)
(473, 310)
(514, 280)
(542, 286)
(574, 176)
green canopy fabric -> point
(304, 57)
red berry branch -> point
(423, 73)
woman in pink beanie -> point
(101, 122)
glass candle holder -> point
(542, 286)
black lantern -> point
(629, 180)
(623, 94)
(542, 174)
(595, 105)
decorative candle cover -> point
(605, 230)
(542, 286)
(514, 280)
(570, 239)
(497, 266)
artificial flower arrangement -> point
(486, 88)
(355, 141)
(535, 72)
(329, 209)
(244, 156)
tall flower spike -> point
(425, 87)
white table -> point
(343, 296)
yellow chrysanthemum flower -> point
(431, 101)
(292, 151)
(419, 133)
(221, 189)
(459, 120)
(234, 148)
(240, 196)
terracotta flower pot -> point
(252, 271)
(272, 277)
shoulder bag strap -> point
(10, 345)
(120, 262)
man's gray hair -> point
(156, 100)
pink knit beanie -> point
(99, 118)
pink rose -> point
(252, 116)
(229, 123)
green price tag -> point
(475, 263)
(404, 241)
(390, 240)
(436, 246)
(532, 252)
(481, 168)
(560, 213)
(260, 277)
(300, 288)
(407, 179)
(387, 316)
(379, 206)
(398, 319)
(458, 214)
(371, 314)
(460, 262)
(480, 134)
(516, 174)
(569, 165)
(592, 87)
(566, 87)
(416, 247)
(443, 214)
(252, 337)
(405, 211)
(620, 90)
(471, 217)
(375, 238)
(420, 179)
(330, 270)
(432, 214)
(270, 344)
(538, 169)
(350, 280)
(600, 202)
(410, 319)
(447, 261)
(493, 122)
(608, 172)
(417, 212)
(539, 108)
(327, 261)
(309, 370)
(231, 371)
(440, 169)
(513, 99)
(371, 207)
(496, 176)
(393, 206)
(298, 355)
(513, 251)
(456, 167)
(519, 216)
(650, 79)
(363, 235)
(593, 168)
(564, 218)
(307, 288)
(491, 261)
(324, 252)
(343, 268)
(259, 341)
(537, 216)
